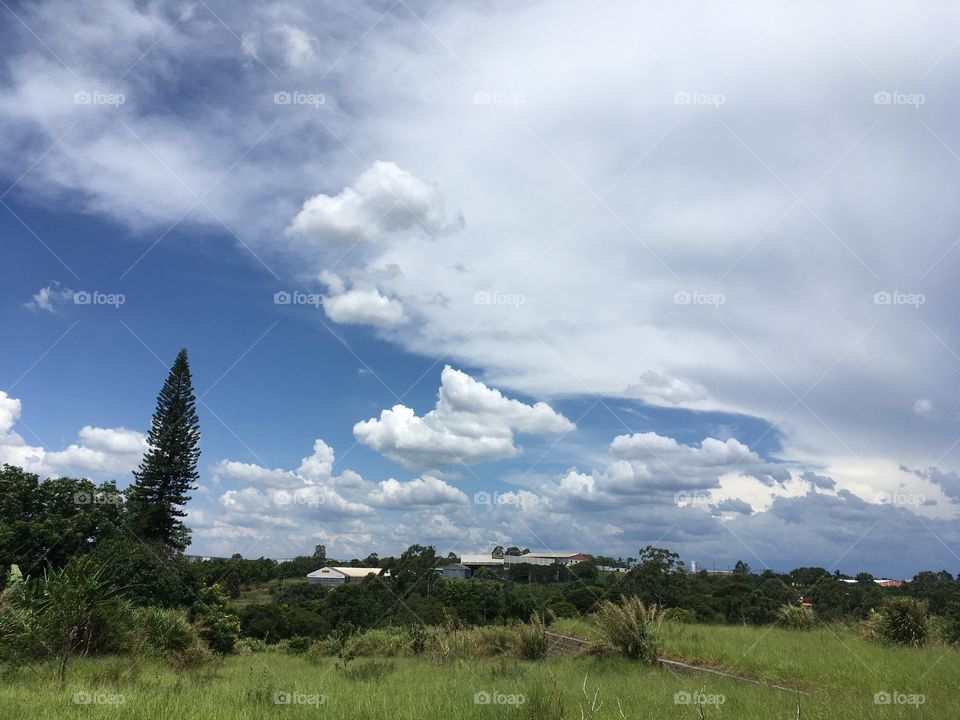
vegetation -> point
(901, 621)
(631, 628)
(169, 468)
(98, 597)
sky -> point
(560, 275)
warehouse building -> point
(341, 575)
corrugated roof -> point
(348, 571)
(480, 560)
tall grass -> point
(631, 628)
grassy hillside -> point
(842, 674)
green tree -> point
(169, 468)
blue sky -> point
(645, 283)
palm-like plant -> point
(631, 628)
(77, 611)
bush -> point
(797, 617)
(166, 631)
(900, 621)
(219, 628)
(298, 645)
(631, 629)
(680, 615)
(532, 639)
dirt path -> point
(564, 645)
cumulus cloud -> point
(382, 201)
(360, 306)
(470, 423)
(101, 453)
(426, 490)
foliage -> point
(218, 627)
(680, 615)
(796, 617)
(76, 611)
(169, 468)
(532, 638)
(631, 628)
(900, 621)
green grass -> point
(841, 672)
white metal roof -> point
(480, 560)
(346, 571)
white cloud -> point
(923, 407)
(426, 490)
(48, 297)
(364, 307)
(470, 423)
(101, 453)
(383, 200)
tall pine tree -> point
(168, 470)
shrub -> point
(218, 627)
(631, 629)
(532, 639)
(298, 645)
(797, 617)
(166, 631)
(680, 615)
(75, 610)
(900, 621)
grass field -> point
(842, 674)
